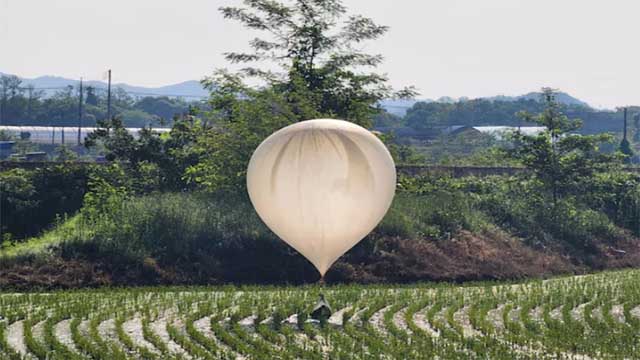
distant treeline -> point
(26, 105)
(424, 116)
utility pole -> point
(80, 115)
(624, 136)
(30, 91)
(109, 98)
(3, 99)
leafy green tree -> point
(118, 143)
(139, 119)
(31, 199)
(12, 101)
(386, 120)
(62, 107)
(318, 74)
(314, 44)
(563, 162)
(162, 107)
(65, 154)
(402, 154)
(224, 150)
(91, 98)
(154, 161)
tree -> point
(163, 107)
(91, 98)
(62, 107)
(561, 161)
(224, 150)
(319, 74)
(152, 161)
(315, 48)
(10, 93)
(63, 153)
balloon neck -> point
(321, 281)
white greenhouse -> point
(59, 135)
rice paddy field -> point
(585, 317)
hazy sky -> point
(589, 48)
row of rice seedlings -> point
(34, 346)
(193, 349)
(58, 349)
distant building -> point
(496, 131)
(54, 134)
(30, 156)
(36, 156)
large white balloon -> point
(321, 186)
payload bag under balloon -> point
(321, 186)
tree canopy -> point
(319, 73)
(561, 161)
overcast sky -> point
(474, 48)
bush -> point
(438, 214)
(521, 207)
(617, 194)
(31, 199)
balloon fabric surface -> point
(321, 186)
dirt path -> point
(15, 339)
(62, 332)
(159, 327)
(400, 322)
(462, 318)
(421, 321)
(133, 328)
(377, 320)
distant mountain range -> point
(188, 89)
(192, 89)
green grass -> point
(64, 231)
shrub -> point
(520, 207)
(617, 194)
(30, 200)
(439, 214)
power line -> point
(126, 91)
(80, 114)
(109, 98)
